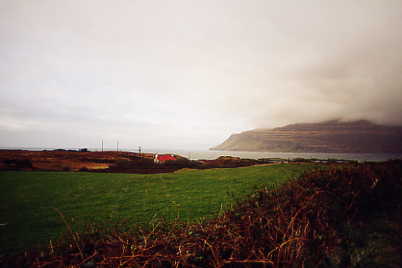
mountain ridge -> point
(335, 136)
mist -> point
(187, 74)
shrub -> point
(133, 164)
(18, 163)
(66, 168)
(180, 163)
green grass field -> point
(28, 199)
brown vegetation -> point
(123, 162)
(58, 160)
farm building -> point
(161, 158)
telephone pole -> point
(102, 145)
(117, 146)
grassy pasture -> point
(28, 199)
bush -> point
(179, 163)
(18, 163)
(133, 164)
(66, 168)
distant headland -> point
(326, 137)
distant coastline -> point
(326, 137)
(213, 154)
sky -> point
(186, 74)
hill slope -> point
(328, 137)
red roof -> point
(165, 157)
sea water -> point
(209, 155)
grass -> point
(28, 199)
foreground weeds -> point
(339, 217)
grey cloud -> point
(189, 73)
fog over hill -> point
(326, 137)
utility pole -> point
(139, 151)
(117, 146)
(102, 145)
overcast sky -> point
(186, 74)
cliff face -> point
(327, 137)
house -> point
(161, 158)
